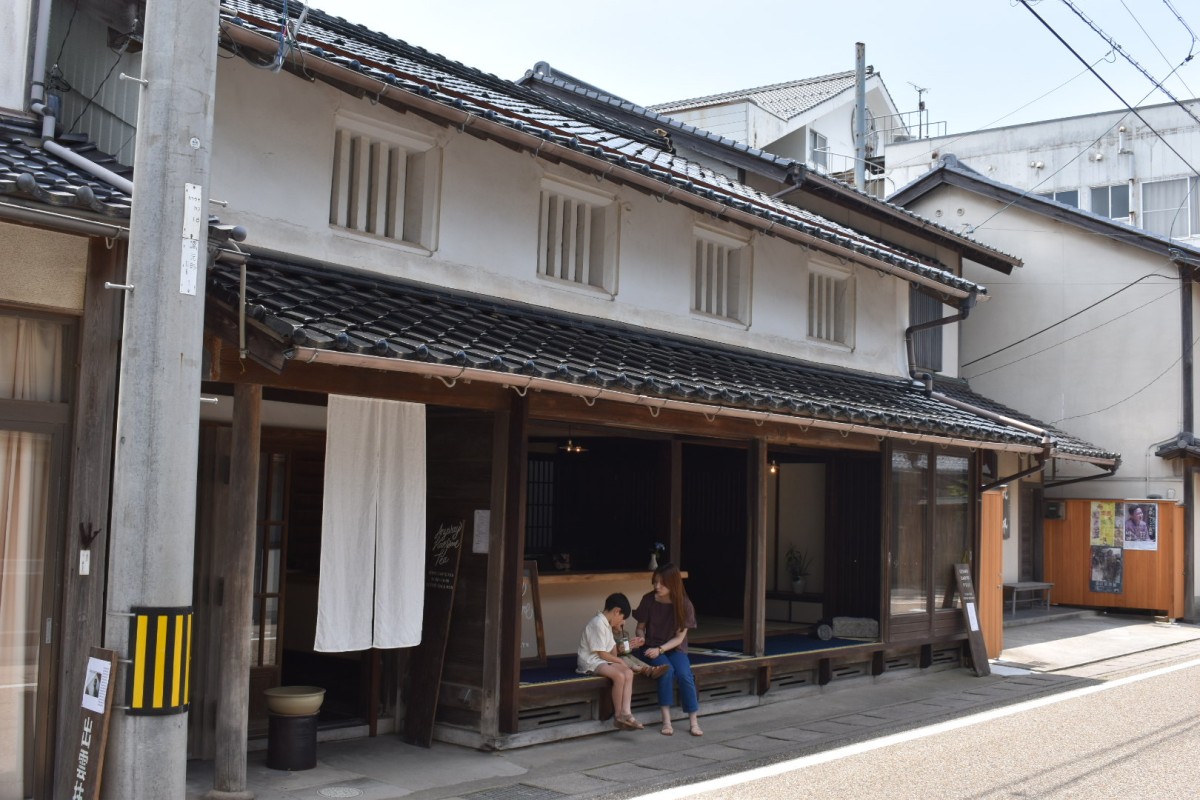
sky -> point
(984, 63)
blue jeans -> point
(681, 670)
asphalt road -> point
(1137, 737)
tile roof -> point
(1063, 442)
(784, 100)
(28, 172)
(780, 168)
(402, 68)
(329, 310)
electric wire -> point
(1121, 51)
(95, 94)
(1126, 399)
(1065, 319)
(1159, 49)
(1173, 291)
(1108, 86)
(1182, 22)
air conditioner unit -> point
(1054, 509)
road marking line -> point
(782, 767)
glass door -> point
(33, 424)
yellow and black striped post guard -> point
(161, 640)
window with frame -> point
(1111, 201)
(818, 150)
(1068, 197)
(385, 183)
(577, 236)
(927, 344)
(1172, 208)
(830, 306)
(721, 276)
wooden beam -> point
(754, 625)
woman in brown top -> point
(664, 616)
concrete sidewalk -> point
(1038, 660)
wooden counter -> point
(545, 578)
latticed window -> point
(721, 276)
(577, 236)
(831, 306)
(927, 344)
(384, 183)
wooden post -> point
(754, 627)
(235, 563)
(676, 476)
(91, 465)
(493, 643)
(512, 556)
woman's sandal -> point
(667, 730)
(694, 730)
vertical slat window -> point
(927, 344)
(719, 274)
(382, 188)
(574, 240)
(830, 311)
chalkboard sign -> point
(966, 587)
(443, 546)
(533, 639)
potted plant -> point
(799, 565)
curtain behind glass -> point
(30, 369)
(951, 524)
(910, 509)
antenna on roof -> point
(921, 90)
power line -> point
(1157, 378)
(1182, 22)
(1064, 319)
(1006, 364)
(1159, 49)
(1108, 86)
(1113, 44)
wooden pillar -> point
(675, 535)
(235, 565)
(494, 632)
(754, 625)
(88, 494)
(511, 554)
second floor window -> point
(721, 276)
(831, 306)
(927, 344)
(1068, 197)
(577, 236)
(1172, 208)
(385, 183)
(818, 150)
(1111, 201)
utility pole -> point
(154, 481)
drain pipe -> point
(38, 105)
(964, 310)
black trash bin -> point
(292, 741)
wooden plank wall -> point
(460, 482)
(1151, 577)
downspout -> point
(38, 105)
(860, 116)
(964, 310)
(1186, 325)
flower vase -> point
(653, 562)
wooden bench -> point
(1031, 588)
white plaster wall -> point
(1109, 375)
(730, 120)
(16, 43)
(42, 269)
(272, 157)
(567, 607)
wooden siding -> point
(990, 589)
(1151, 579)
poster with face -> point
(1140, 524)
